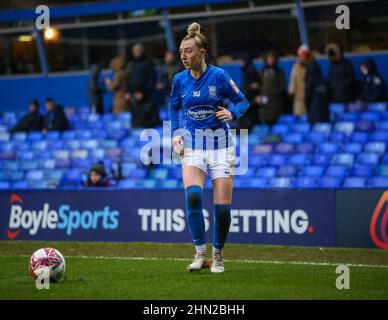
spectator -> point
(250, 88)
(97, 177)
(166, 72)
(118, 84)
(341, 75)
(55, 118)
(296, 87)
(140, 86)
(32, 121)
(272, 86)
(96, 90)
(317, 94)
(373, 85)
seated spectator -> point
(32, 121)
(341, 75)
(97, 177)
(316, 94)
(55, 119)
(373, 85)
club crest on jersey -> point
(213, 92)
(234, 86)
(197, 94)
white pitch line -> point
(232, 260)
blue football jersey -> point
(200, 98)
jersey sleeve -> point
(175, 105)
(234, 94)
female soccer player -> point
(205, 142)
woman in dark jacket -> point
(316, 94)
(373, 85)
(98, 177)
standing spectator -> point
(98, 177)
(317, 94)
(118, 84)
(96, 90)
(341, 75)
(373, 85)
(272, 86)
(55, 118)
(140, 86)
(32, 121)
(250, 88)
(296, 86)
(166, 73)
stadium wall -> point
(324, 217)
(70, 89)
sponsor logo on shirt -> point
(197, 94)
(201, 112)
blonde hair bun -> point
(194, 29)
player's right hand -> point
(177, 144)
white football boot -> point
(217, 263)
(200, 261)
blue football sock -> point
(221, 225)
(194, 214)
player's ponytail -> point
(194, 32)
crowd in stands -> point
(141, 89)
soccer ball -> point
(47, 257)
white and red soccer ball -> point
(47, 258)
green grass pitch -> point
(158, 271)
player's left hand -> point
(223, 114)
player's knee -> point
(194, 197)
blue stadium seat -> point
(35, 175)
(277, 160)
(382, 125)
(127, 183)
(329, 148)
(52, 135)
(336, 171)
(20, 185)
(329, 182)
(266, 172)
(48, 164)
(299, 159)
(61, 154)
(138, 173)
(376, 147)
(284, 148)
(10, 165)
(377, 106)
(305, 182)
(379, 136)
(324, 128)
(114, 154)
(316, 137)
(385, 158)
(4, 136)
(7, 155)
(365, 126)
(168, 184)
(382, 170)
(346, 128)
(126, 169)
(55, 144)
(301, 127)
(293, 138)
(321, 159)
(19, 136)
(352, 147)
(39, 145)
(337, 108)
(69, 135)
(313, 171)
(26, 155)
(354, 182)
(281, 183)
(89, 144)
(28, 164)
(287, 171)
(344, 159)
(378, 182)
(19, 146)
(280, 128)
(370, 116)
(287, 118)
(107, 143)
(159, 174)
(258, 160)
(5, 185)
(16, 176)
(337, 137)
(148, 183)
(305, 147)
(262, 149)
(361, 170)
(255, 183)
(368, 159)
(83, 134)
(53, 175)
(82, 163)
(72, 144)
(359, 137)
(349, 117)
